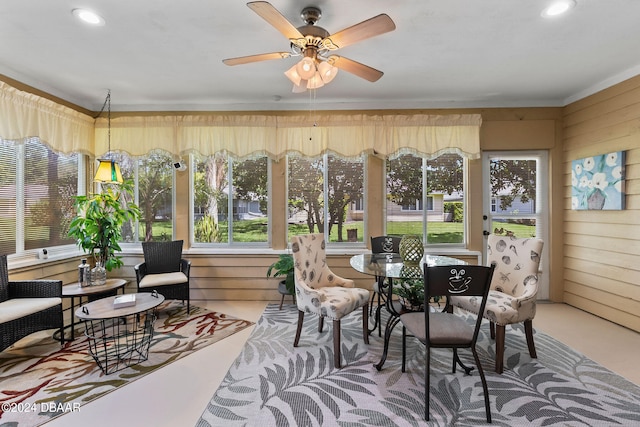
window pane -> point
(443, 198)
(513, 196)
(404, 195)
(345, 184)
(344, 189)
(7, 197)
(306, 198)
(445, 180)
(51, 179)
(153, 175)
(155, 198)
(250, 201)
(211, 199)
(249, 193)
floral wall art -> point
(598, 182)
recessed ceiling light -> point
(558, 8)
(88, 17)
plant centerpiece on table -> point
(411, 293)
(283, 267)
(97, 228)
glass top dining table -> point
(389, 266)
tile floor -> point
(176, 395)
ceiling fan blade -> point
(275, 18)
(366, 29)
(356, 68)
(256, 58)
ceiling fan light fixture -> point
(292, 74)
(327, 71)
(315, 82)
(306, 68)
(299, 88)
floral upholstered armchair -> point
(319, 291)
(514, 288)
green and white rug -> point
(40, 380)
(274, 384)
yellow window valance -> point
(24, 115)
(273, 135)
(239, 134)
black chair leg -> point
(299, 328)
(485, 389)
(337, 357)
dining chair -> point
(443, 329)
(321, 292)
(512, 297)
(164, 270)
(381, 245)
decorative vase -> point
(98, 274)
(411, 249)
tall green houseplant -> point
(97, 228)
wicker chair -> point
(28, 306)
(164, 270)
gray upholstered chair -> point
(319, 291)
(28, 306)
(164, 270)
(512, 298)
(445, 329)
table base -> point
(118, 343)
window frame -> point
(21, 255)
(325, 208)
(230, 243)
(425, 223)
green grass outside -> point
(438, 232)
(256, 230)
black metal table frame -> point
(90, 297)
(394, 307)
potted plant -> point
(411, 293)
(283, 267)
(97, 228)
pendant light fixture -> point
(108, 170)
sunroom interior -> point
(180, 118)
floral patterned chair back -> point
(517, 262)
(311, 262)
(514, 288)
(319, 291)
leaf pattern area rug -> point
(40, 379)
(272, 383)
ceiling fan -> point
(318, 65)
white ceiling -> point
(166, 55)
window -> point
(153, 193)
(328, 187)
(413, 182)
(246, 198)
(36, 190)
